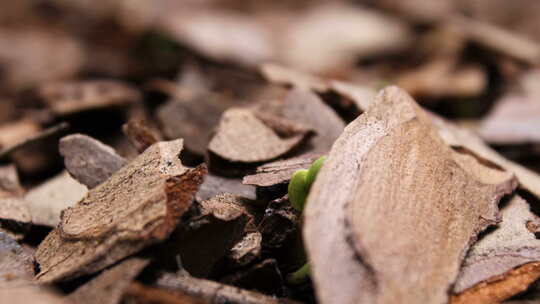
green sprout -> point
(299, 187)
(301, 182)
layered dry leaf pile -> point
(146, 149)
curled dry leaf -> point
(510, 245)
(139, 205)
(279, 171)
(242, 137)
(88, 160)
(76, 96)
(46, 201)
(16, 264)
(403, 206)
(109, 286)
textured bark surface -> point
(501, 287)
(71, 97)
(403, 207)
(242, 137)
(141, 134)
(88, 160)
(279, 171)
(215, 184)
(15, 215)
(109, 286)
(16, 264)
(511, 244)
(138, 206)
(46, 201)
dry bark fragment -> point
(510, 245)
(46, 201)
(30, 294)
(71, 97)
(279, 171)
(462, 138)
(33, 138)
(15, 215)
(514, 120)
(308, 109)
(16, 264)
(139, 205)
(141, 134)
(140, 294)
(246, 250)
(403, 207)
(215, 184)
(263, 277)
(502, 287)
(214, 292)
(285, 76)
(222, 223)
(109, 286)
(241, 137)
(88, 160)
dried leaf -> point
(403, 207)
(46, 201)
(71, 97)
(109, 286)
(242, 137)
(139, 205)
(279, 171)
(88, 160)
(510, 245)
(16, 264)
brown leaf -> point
(71, 97)
(16, 264)
(242, 137)
(502, 287)
(109, 286)
(46, 201)
(510, 245)
(403, 207)
(88, 160)
(139, 205)
(279, 171)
